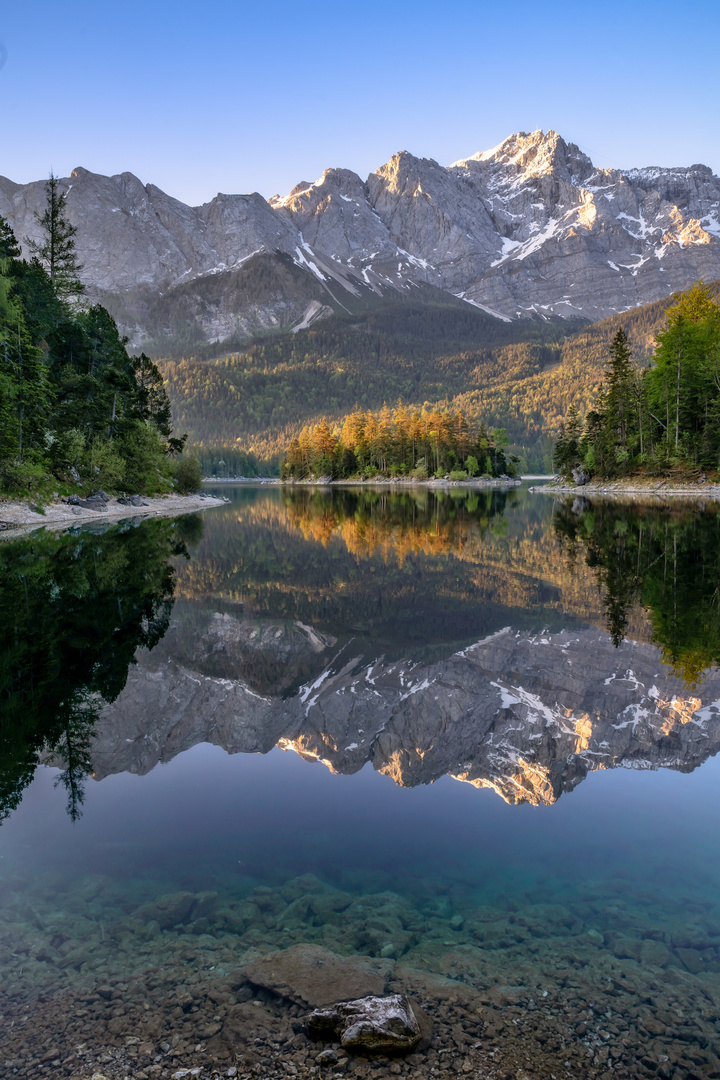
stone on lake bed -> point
(167, 911)
(312, 975)
(370, 1025)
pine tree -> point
(57, 251)
(618, 403)
(9, 247)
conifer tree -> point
(618, 403)
(9, 247)
(57, 250)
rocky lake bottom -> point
(524, 975)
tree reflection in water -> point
(74, 609)
(666, 559)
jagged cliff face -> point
(528, 227)
(529, 716)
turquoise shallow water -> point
(570, 884)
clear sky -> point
(240, 96)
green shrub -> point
(148, 469)
(188, 474)
(458, 474)
(420, 473)
(472, 466)
(20, 477)
(66, 451)
(103, 465)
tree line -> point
(76, 410)
(659, 417)
(398, 442)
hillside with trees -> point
(656, 418)
(242, 411)
(259, 399)
(76, 410)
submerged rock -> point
(167, 911)
(370, 1025)
(312, 975)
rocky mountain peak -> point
(530, 227)
(535, 154)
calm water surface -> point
(470, 737)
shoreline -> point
(656, 490)
(17, 519)
(400, 481)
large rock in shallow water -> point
(371, 1025)
(311, 975)
(167, 911)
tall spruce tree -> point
(618, 404)
(57, 250)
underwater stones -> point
(174, 909)
(167, 911)
(246, 1028)
(369, 1025)
(312, 975)
(204, 905)
(692, 959)
(654, 953)
(305, 885)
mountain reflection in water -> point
(430, 634)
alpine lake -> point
(320, 743)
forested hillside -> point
(522, 376)
(259, 399)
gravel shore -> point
(636, 491)
(17, 518)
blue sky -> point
(237, 97)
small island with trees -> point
(658, 423)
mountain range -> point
(531, 228)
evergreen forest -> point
(654, 418)
(76, 410)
